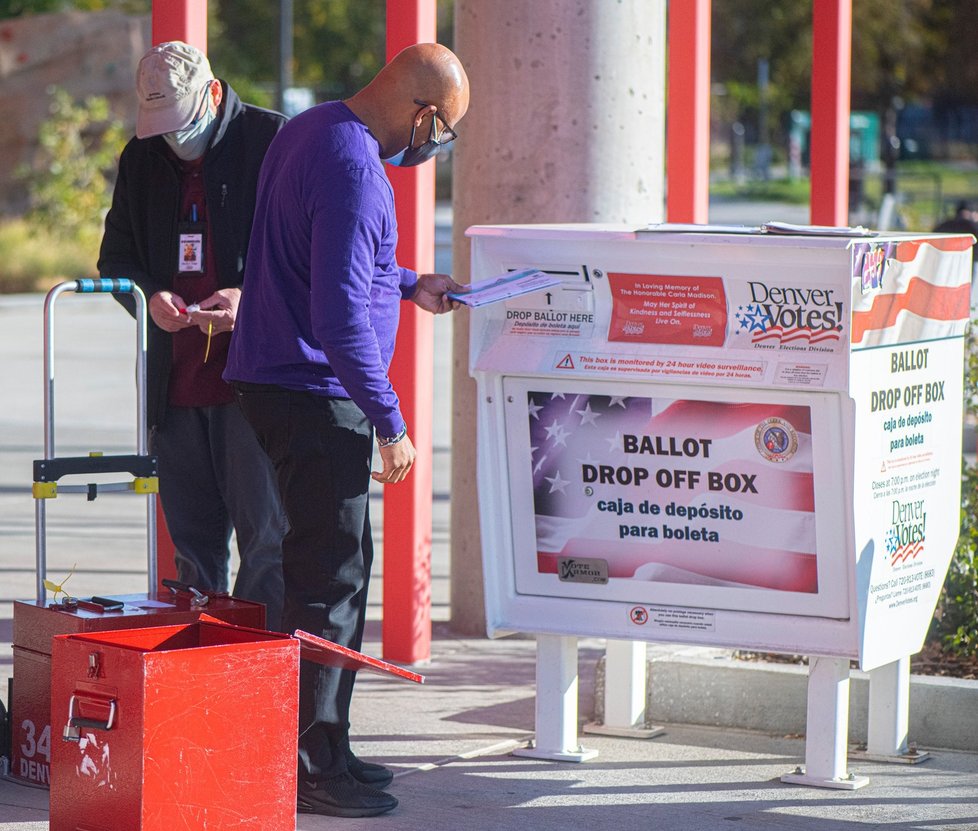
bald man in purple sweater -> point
(309, 359)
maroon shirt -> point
(194, 383)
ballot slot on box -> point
(749, 440)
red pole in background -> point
(184, 20)
(831, 66)
(688, 122)
(407, 505)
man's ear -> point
(217, 92)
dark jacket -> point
(140, 240)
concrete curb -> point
(723, 692)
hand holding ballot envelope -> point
(504, 286)
(434, 293)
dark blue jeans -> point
(321, 450)
(215, 479)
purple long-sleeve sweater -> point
(320, 301)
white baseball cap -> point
(170, 82)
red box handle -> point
(72, 731)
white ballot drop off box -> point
(748, 440)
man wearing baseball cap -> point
(179, 226)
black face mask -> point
(411, 156)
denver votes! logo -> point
(908, 531)
(783, 316)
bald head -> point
(430, 72)
(425, 72)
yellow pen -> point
(210, 331)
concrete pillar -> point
(566, 124)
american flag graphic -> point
(924, 295)
(772, 543)
(902, 553)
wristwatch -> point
(387, 441)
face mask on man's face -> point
(396, 159)
(192, 143)
(411, 156)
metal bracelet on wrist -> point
(387, 441)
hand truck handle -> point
(105, 285)
(101, 285)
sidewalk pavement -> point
(449, 740)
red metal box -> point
(182, 727)
(190, 727)
(35, 625)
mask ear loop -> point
(419, 117)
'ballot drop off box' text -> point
(746, 440)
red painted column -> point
(407, 505)
(688, 113)
(184, 20)
(831, 61)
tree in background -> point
(69, 188)
(952, 63)
(901, 49)
(889, 66)
(338, 45)
(70, 183)
(902, 52)
(955, 624)
(17, 8)
(745, 32)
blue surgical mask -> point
(192, 143)
(396, 159)
(410, 155)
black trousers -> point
(321, 451)
(214, 479)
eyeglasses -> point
(441, 134)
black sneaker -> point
(377, 776)
(342, 796)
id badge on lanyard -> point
(190, 246)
